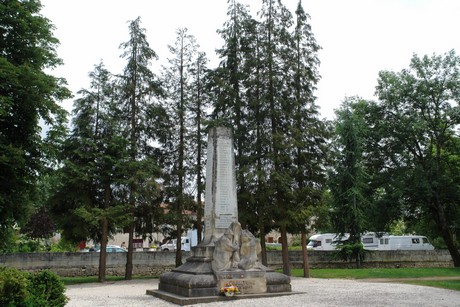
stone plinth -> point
(248, 282)
(201, 278)
(194, 278)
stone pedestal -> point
(195, 281)
(194, 278)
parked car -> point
(114, 249)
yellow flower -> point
(230, 288)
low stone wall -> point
(155, 263)
(372, 259)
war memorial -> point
(228, 256)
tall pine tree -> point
(138, 87)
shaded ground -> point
(314, 292)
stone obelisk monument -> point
(227, 254)
(221, 208)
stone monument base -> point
(194, 281)
(182, 300)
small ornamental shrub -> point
(46, 289)
(351, 252)
(13, 287)
(23, 289)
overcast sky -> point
(359, 38)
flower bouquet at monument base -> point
(229, 290)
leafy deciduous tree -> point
(419, 116)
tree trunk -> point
(103, 252)
(446, 234)
(104, 235)
(199, 218)
(285, 255)
(129, 256)
(263, 246)
(179, 242)
(306, 267)
(441, 219)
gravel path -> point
(315, 292)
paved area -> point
(315, 292)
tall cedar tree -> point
(419, 115)
(199, 104)
(138, 85)
(95, 160)
(348, 181)
(258, 97)
(276, 47)
(179, 173)
(231, 104)
(308, 132)
(237, 88)
(27, 95)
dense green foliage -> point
(40, 289)
(185, 105)
(13, 287)
(347, 184)
(264, 91)
(46, 289)
(137, 139)
(27, 96)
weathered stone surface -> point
(220, 202)
(216, 261)
(248, 282)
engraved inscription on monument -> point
(248, 285)
(225, 200)
(221, 207)
(209, 207)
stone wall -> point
(372, 259)
(155, 263)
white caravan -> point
(324, 241)
(371, 241)
(389, 242)
(186, 242)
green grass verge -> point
(393, 274)
(91, 279)
(445, 284)
(380, 273)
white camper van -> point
(388, 242)
(372, 241)
(324, 241)
(187, 242)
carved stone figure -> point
(223, 252)
(249, 250)
(236, 229)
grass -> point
(380, 273)
(415, 275)
(445, 284)
(91, 279)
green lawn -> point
(90, 279)
(380, 273)
(415, 274)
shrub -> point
(13, 286)
(351, 252)
(41, 289)
(46, 289)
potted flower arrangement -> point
(229, 290)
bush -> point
(351, 252)
(13, 287)
(46, 289)
(41, 289)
